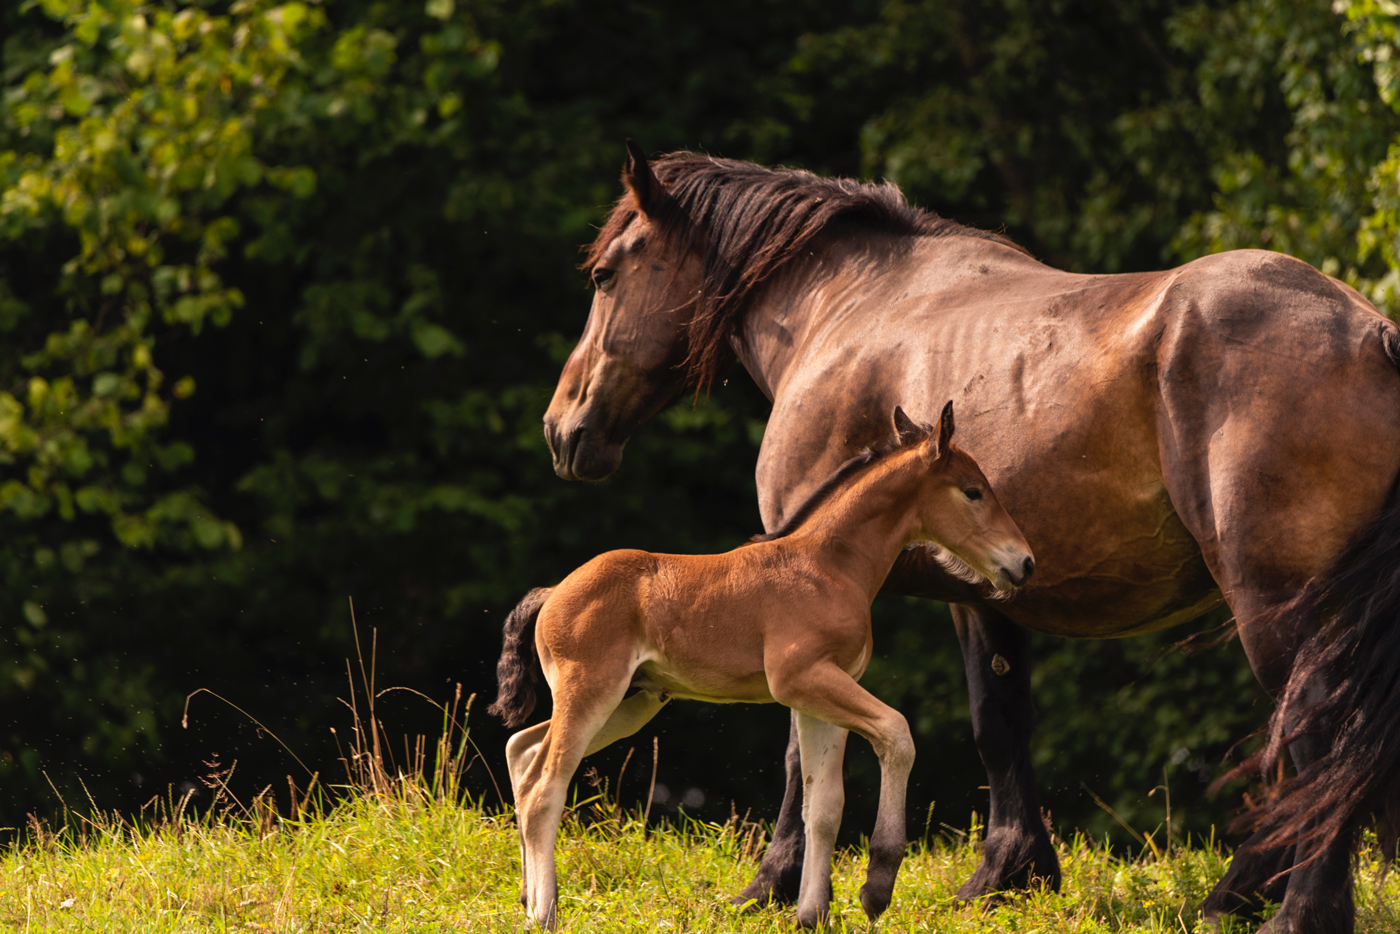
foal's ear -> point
(906, 430)
(945, 428)
(641, 180)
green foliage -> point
(1297, 130)
(284, 289)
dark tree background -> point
(284, 290)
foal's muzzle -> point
(1018, 579)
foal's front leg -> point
(823, 748)
(824, 692)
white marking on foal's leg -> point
(521, 750)
(823, 747)
(579, 718)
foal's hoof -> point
(814, 918)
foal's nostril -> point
(1029, 568)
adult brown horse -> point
(1225, 431)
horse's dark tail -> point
(518, 672)
(1344, 685)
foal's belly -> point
(702, 684)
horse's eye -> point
(601, 277)
(972, 493)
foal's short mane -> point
(839, 478)
(749, 221)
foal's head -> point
(958, 512)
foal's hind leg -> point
(521, 750)
(585, 704)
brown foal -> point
(785, 618)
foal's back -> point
(702, 625)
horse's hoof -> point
(755, 897)
(873, 903)
(980, 896)
(746, 905)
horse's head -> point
(959, 512)
(629, 362)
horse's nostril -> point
(549, 439)
(1029, 567)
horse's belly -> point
(1120, 597)
(1111, 560)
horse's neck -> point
(865, 526)
(787, 312)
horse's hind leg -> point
(1017, 852)
(823, 748)
(1316, 893)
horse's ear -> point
(906, 430)
(945, 428)
(641, 180)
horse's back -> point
(1095, 405)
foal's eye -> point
(601, 277)
(972, 493)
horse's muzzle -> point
(580, 454)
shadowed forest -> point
(285, 289)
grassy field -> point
(410, 852)
(402, 858)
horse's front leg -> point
(1017, 852)
(780, 873)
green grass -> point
(405, 859)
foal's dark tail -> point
(1345, 684)
(518, 672)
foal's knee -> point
(899, 744)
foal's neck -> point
(863, 527)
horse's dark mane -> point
(748, 222)
(838, 480)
